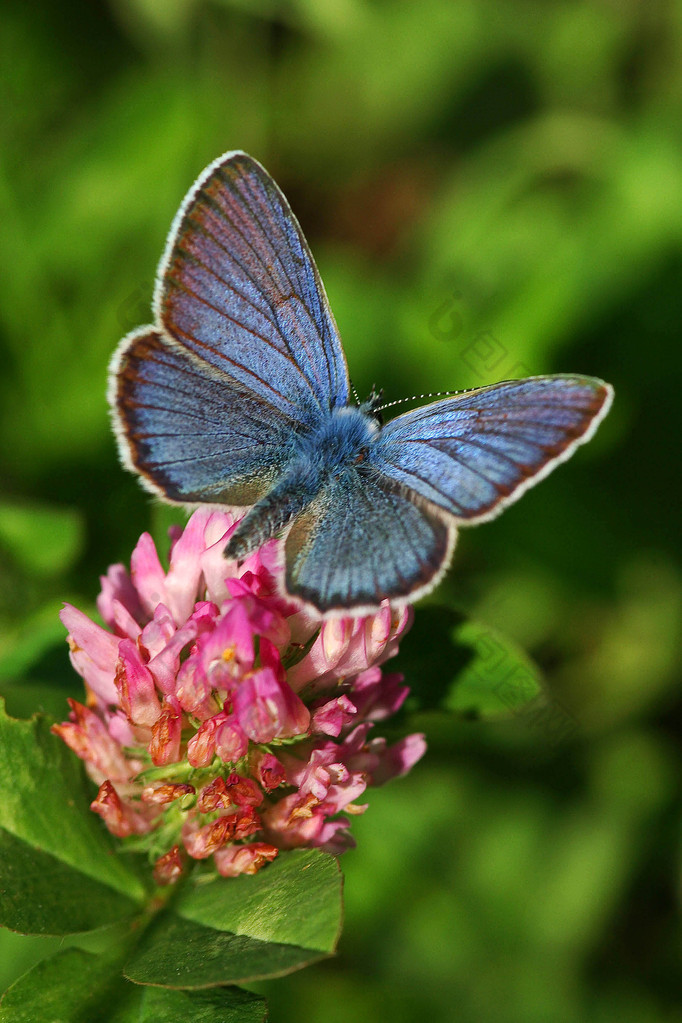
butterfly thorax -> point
(340, 443)
(341, 439)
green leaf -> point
(225, 1005)
(60, 872)
(231, 931)
(78, 987)
(465, 666)
(498, 679)
(68, 987)
(44, 540)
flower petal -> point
(268, 709)
(147, 575)
(244, 859)
(118, 589)
(135, 685)
(93, 651)
(164, 747)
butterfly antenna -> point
(418, 397)
(355, 393)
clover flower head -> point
(222, 721)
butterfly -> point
(238, 394)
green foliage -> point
(57, 868)
(283, 918)
(59, 875)
(465, 667)
(490, 190)
(76, 986)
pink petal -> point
(192, 687)
(268, 709)
(330, 654)
(267, 769)
(164, 747)
(263, 617)
(244, 859)
(243, 791)
(247, 823)
(201, 747)
(399, 758)
(219, 525)
(135, 685)
(293, 821)
(117, 588)
(158, 632)
(119, 727)
(162, 794)
(122, 621)
(333, 716)
(215, 567)
(231, 742)
(214, 796)
(334, 837)
(169, 868)
(377, 696)
(228, 650)
(202, 842)
(147, 575)
(164, 664)
(88, 737)
(94, 652)
(185, 573)
(120, 819)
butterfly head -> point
(372, 407)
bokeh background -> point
(491, 189)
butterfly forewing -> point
(474, 453)
(245, 352)
(239, 288)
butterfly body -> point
(337, 446)
(238, 395)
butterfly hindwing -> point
(362, 540)
(475, 453)
(189, 431)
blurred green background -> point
(491, 189)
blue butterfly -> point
(238, 395)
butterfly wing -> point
(473, 454)
(239, 288)
(386, 528)
(192, 434)
(363, 540)
(244, 347)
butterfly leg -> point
(272, 513)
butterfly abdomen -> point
(271, 514)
